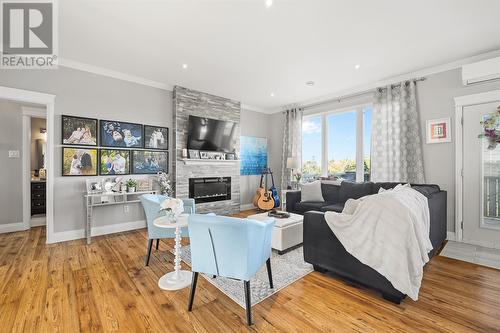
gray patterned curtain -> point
(396, 143)
(292, 142)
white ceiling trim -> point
(334, 97)
(68, 63)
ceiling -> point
(243, 50)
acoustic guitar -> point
(274, 191)
(263, 198)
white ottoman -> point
(287, 232)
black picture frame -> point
(127, 163)
(147, 137)
(65, 137)
(138, 169)
(66, 169)
(106, 138)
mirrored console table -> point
(93, 200)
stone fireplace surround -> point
(190, 102)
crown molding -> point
(390, 80)
(73, 64)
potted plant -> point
(131, 185)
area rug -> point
(286, 268)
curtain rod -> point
(358, 94)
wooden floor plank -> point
(105, 287)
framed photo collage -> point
(94, 147)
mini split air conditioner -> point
(482, 71)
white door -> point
(481, 180)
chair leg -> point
(269, 273)
(193, 289)
(157, 244)
(248, 303)
(150, 245)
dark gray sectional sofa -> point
(326, 253)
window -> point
(338, 144)
(311, 147)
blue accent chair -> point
(151, 204)
(230, 247)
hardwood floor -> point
(104, 287)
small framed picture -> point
(204, 155)
(149, 162)
(114, 162)
(194, 153)
(79, 161)
(230, 156)
(438, 130)
(78, 131)
(94, 186)
(120, 134)
(155, 137)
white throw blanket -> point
(389, 232)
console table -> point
(106, 199)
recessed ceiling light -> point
(272, 94)
(185, 66)
(310, 83)
(357, 66)
(269, 3)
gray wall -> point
(84, 94)
(11, 195)
(435, 99)
(255, 124)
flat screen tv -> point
(211, 134)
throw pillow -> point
(312, 192)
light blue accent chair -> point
(229, 247)
(151, 204)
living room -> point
(253, 166)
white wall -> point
(11, 195)
(84, 94)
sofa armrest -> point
(438, 216)
(292, 197)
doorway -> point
(479, 206)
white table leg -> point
(177, 279)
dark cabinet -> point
(37, 198)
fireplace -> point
(210, 189)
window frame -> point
(358, 108)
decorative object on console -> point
(131, 185)
(155, 137)
(165, 185)
(149, 162)
(120, 134)
(145, 185)
(438, 130)
(184, 153)
(114, 162)
(491, 125)
(94, 185)
(78, 131)
(293, 163)
(79, 162)
(253, 155)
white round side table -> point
(177, 279)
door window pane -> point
(342, 145)
(491, 184)
(367, 141)
(311, 147)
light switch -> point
(14, 154)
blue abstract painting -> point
(253, 155)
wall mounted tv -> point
(211, 134)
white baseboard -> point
(12, 227)
(450, 235)
(38, 221)
(247, 207)
(64, 236)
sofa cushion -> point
(350, 190)
(338, 207)
(425, 189)
(330, 192)
(306, 206)
(312, 191)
